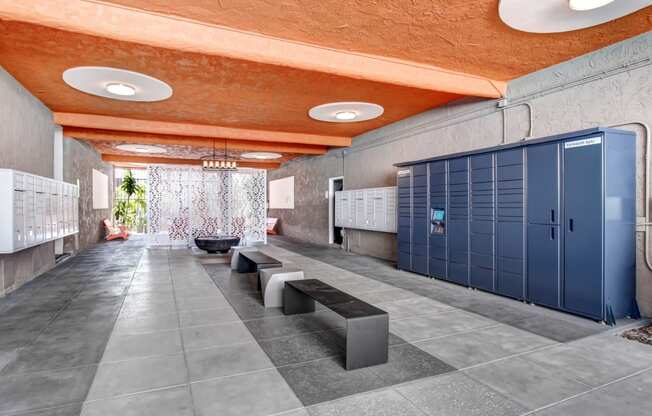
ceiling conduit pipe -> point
(530, 118)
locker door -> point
(543, 184)
(404, 235)
(420, 229)
(543, 264)
(583, 227)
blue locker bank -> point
(550, 221)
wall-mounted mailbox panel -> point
(550, 221)
(372, 209)
(35, 210)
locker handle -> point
(552, 215)
(570, 225)
(552, 233)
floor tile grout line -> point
(419, 409)
(591, 390)
(183, 346)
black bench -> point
(253, 261)
(367, 327)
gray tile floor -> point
(125, 330)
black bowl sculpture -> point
(214, 244)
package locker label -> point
(583, 142)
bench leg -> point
(295, 302)
(245, 266)
(367, 341)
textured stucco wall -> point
(79, 161)
(593, 90)
(26, 134)
(306, 221)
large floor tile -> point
(215, 335)
(484, 345)
(59, 351)
(125, 347)
(208, 316)
(322, 380)
(527, 383)
(407, 362)
(256, 394)
(140, 374)
(32, 391)
(225, 361)
(304, 347)
(381, 403)
(596, 360)
(458, 395)
(447, 323)
(169, 402)
(150, 323)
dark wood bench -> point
(367, 327)
(254, 261)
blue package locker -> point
(510, 217)
(482, 222)
(420, 219)
(458, 220)
(543, 219)
(438, 247)
(550, 221)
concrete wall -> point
(307, 220)
(610, 87)
(79, 161)
(26, 133)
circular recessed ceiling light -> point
(346, 112)
(141, 148)
(121, 89)
(554, 16)
(261, 155)
(118, 84)
(583, 5)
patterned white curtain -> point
(187, 202)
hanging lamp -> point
(212, 163)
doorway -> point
(334, 233)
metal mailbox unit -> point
(550, 221)
(372, 209)
(35, 210)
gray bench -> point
(367, 327)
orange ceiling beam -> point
(152, 139)
(153, 160)
(134, 25)
(93, 121)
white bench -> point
(272, 282)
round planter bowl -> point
(214, 244)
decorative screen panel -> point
(187, 202)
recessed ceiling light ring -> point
(117, 84)
(557, 16)
(261, 155)
(346, 112)
(141, 148)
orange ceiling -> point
(207, 89)
(460, 35)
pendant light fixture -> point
(212, 163)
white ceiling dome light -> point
(117, 84)
(554, 16)
(141, 148)
(261, 155)
(346, 112)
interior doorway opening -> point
(334, 233)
